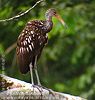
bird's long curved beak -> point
(57, 16)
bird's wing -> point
(29, 44)
(25, 48)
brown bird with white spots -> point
(31, 42)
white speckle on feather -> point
(33, 35)
(22, 49)
(22, 34)
(32, 44)
(32, 32)
(23, 31)
(26, 31)
(25, 42)
(27, 49)
(30, 47)
(36, 28)
(38, 37)
(28, 40)
(29, 22)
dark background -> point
(67, 63)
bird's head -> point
(53, 13)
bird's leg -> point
(35, 69)
(31, 68)
(32, 81)
(39, 84)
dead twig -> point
(10, 48)
(21, 14)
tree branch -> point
(12, 88)
(23, 13)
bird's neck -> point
(49, 23)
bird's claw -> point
(50, 91)
(40, 88)
(35, 86)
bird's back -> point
(30, 44)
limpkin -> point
(31, 42)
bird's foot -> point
(35, 86)
(50, 91)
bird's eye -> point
(54, 12)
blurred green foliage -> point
(67, 63)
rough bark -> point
(14, 89)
